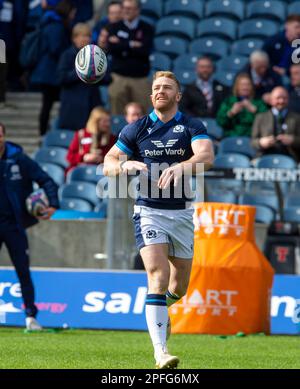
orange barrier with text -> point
(231, 280)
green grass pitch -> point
(80, 349)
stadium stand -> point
(58, 138)
(257, 28)
(239, 144)
(218, 27)
(233, 9)
(191, 8)
(231, 160)
(54, 155)
(215, 48)
(176, 25)
(54, 171)
(79, 190)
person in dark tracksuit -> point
(17, 174)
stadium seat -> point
(292, 200)
(273, 9)
(233, 9)
(152, 8)
(231, 160)
(237, 144)
(225, 77)
(212, 47)
(233, 62)
(221, 197)
(294, 8)
(160, 61)
(258, 186)
(292, 214)
(295, 187)
(180, 26)
(55, 155)
(186, 62)
(276, 161)
(223, 185)
(88, 173)
(212, 127)
(264, 214)
(260, 198)
(257, 28)
(79, 190)
(217, 27)
(56, 172)
(170, 45)
(246, 46)
(150, 20)
(58, 138)
(117, 123)
(190, 8)
(75, 205)
(185, 76)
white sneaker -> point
(166, 361)
(32, 324)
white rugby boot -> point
(32, 324)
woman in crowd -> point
(91, 143)
(237, 113)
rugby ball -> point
(91, 64)
(37, 202)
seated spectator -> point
(129, 44)
(279, 47)
(114, 15)
(91, 143)
(236, 114)
(204, 97)
(278, 130)
(294, 100)
(55, 39)
(262, 75)
(77, 98)
(133, 112)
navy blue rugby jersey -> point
(159, 145)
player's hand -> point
(132, 167)
(285, 139)
(267, 141)
(47, 213)
(171, 174)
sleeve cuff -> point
(200, 137)
(124, 148)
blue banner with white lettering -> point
(115, 300)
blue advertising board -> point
(115, 300)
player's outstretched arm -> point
(117, 162)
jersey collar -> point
(155, 118)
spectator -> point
(237, 112)
(278, 130)
(133, 111)
(294, 100)
(84, 11)
(279, 47)
(129, 44)
(17, 175)
(13, 16)
(77, 98)
(262, 75)
(114, 15)
(204, 97)
(55, 39)
(91, 143)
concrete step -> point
(21, 125)
(24, 140)
(22, 133)
(19, 96)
